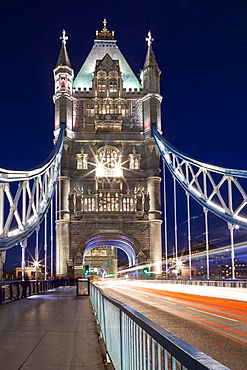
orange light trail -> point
(236, 307)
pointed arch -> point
(112, 240)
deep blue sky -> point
(200, 46)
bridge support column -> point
(2, 261)
(63, 214)
(62, 255)
(63, 227)
(155, 246)
(155, 242)
(23, 244)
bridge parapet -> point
(135, 342)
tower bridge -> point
(110, 178)
(108, 183)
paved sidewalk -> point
(54, 330)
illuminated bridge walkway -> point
(53, 330)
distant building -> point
(221, 268)
(104, 258)
(30, 273)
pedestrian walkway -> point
(55, 330)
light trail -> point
(230, 310)
(210, 313)
(182, 299)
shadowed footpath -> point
(54, 330)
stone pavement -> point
(55, 330)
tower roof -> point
(105, 44)
(150, 60)
(63, 59)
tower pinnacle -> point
(150, 60)
(104, 34)
(63, 59)
(149, 39)
(64, 38)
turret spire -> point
(150, 60)
(63, 76)
(149, 39)
(63, 59)
(64, 38)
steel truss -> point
(25, 197)
(219, 190)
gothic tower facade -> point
(109, 186)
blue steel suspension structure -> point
(25, 197)
(216, 189)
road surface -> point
(217, 327)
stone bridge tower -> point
(109, 187)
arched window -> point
(82, 161)
(101, 85)
(134, 161)
(113, 85)
(62, 85)
(108, 162)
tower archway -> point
(122, 242)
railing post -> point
(11, 291)
(121, 339)
(207, 242)
(231, 228)
(18, 293)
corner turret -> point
(63, 77)
(150, 77)
(151, 72)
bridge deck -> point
(54, 330)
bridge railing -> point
(241, 284)
(135, 342)
(14, 290)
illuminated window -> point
(125, 110)
(113, 85)
(113, 109)
(128, 204)
(101, 85)
(108, 162)
(62, 85)
(134, 160)
(89, 204)
(108, 202)
(82, 161)
(90, 110)
(102, 108)
(99, 252)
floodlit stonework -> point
(109, 188)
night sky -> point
(200, 46)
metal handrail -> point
(15, 290)
(135, 342)
(239, 284)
